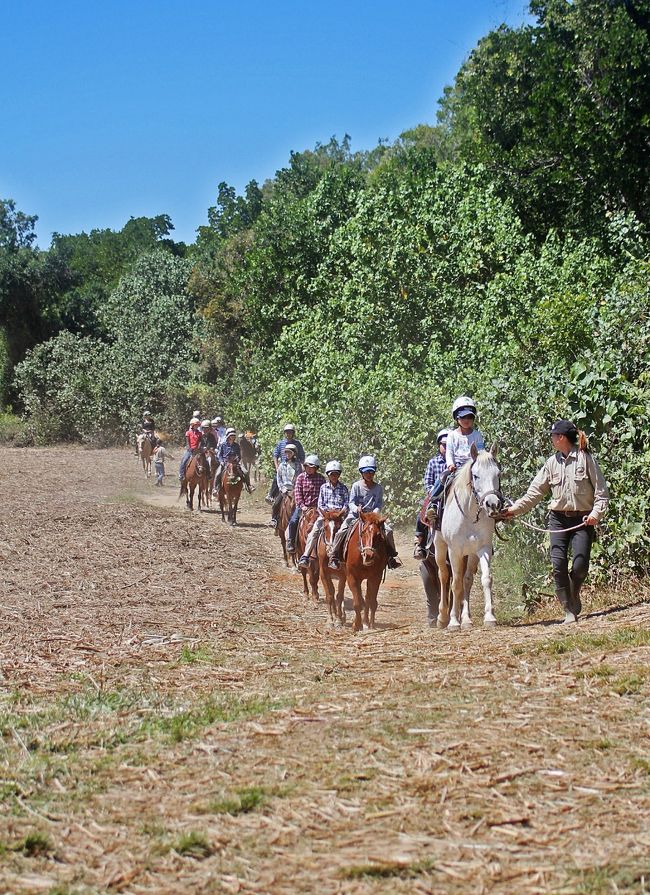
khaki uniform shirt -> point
(575, 483)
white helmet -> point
(195, 421)
(146, 413)
(230, 432)
(312, 460)
(216, 421)
(367, 464)
(206, 424)
(290, 427)
(333, 466)
(443, 433)
(291, 447)
(464, 403)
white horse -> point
(467, 533)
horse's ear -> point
(473, 452)
(495, 448)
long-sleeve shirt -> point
(307, 488)
(209, 440)
(575, 482)
(435, 468)
(278, 450)
(366, 498)
(286, 475)
(333, 498)
(228, 452)
(459, 445)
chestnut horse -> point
(230, 490)
(286, 509)
(145, 449)
(332, 521)
(196, 473)
(307, 519)
(365, 559)
(250, 452)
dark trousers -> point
(293, 526)
(274, 490)
(568, 584)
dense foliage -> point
(502, 252)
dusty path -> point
(175, 717)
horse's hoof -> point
(442, 624)
(453, 626)
(490, 623)
(465, 626)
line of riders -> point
(212, 438)
(572, 477)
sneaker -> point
(272, 523)
(569, 619)
(334, 563)
(290, 548)
(303, 562)
(394, 562)
(269, 499)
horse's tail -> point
(183, 490)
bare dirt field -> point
(175, 718)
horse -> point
(332, 521)
(231, 485)
(146, 451)
(196, 473)
(473, 502)
(307, 519)
(250, 451)
(287, 505)
(366, 560)
(429, 570)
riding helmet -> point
(367, 464)
(333, 466)
(463, 406)
(312, 460)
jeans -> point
(568, 584)
(185, 459)
(293, 525)
(160, 473)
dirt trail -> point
(175, 717)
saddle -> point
(352, 528)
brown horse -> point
(146, 450)
(286, 509)
(250, 451)
(429, 568)
(230, 490)
(332, 521)
(196, 473)
(366, 560)
(307, 519)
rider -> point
(147, 428)
(278, 454)
(579, 494)
(208, 438)
(192, 443)
(333, 495)
(367, 495)
(306, 490)
(285, 478)
(460, 441)
(435, 469)
(229, 451)
(220, 428)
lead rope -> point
(546, 531)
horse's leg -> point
(340, 598)
(283, 542)
(485, 558)
(357, 602)
(328, 586)
(430, 581)
(372, 589)
(443, 576)
(471, 565)
(222, 498)
(313, 581)
(458, 562)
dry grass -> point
(175, 718)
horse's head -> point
(332, 521)
(485, 480)
(233, 472)
(371, 536)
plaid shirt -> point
(333, 498)
(435, 468)
(278, 450)
(307, 488)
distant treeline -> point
(502, 252)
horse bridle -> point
(363, 549)
(480, 500)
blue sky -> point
(123, 109)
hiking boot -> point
(303, 562)
(569, 619)
(394, 562)
(419, 552)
